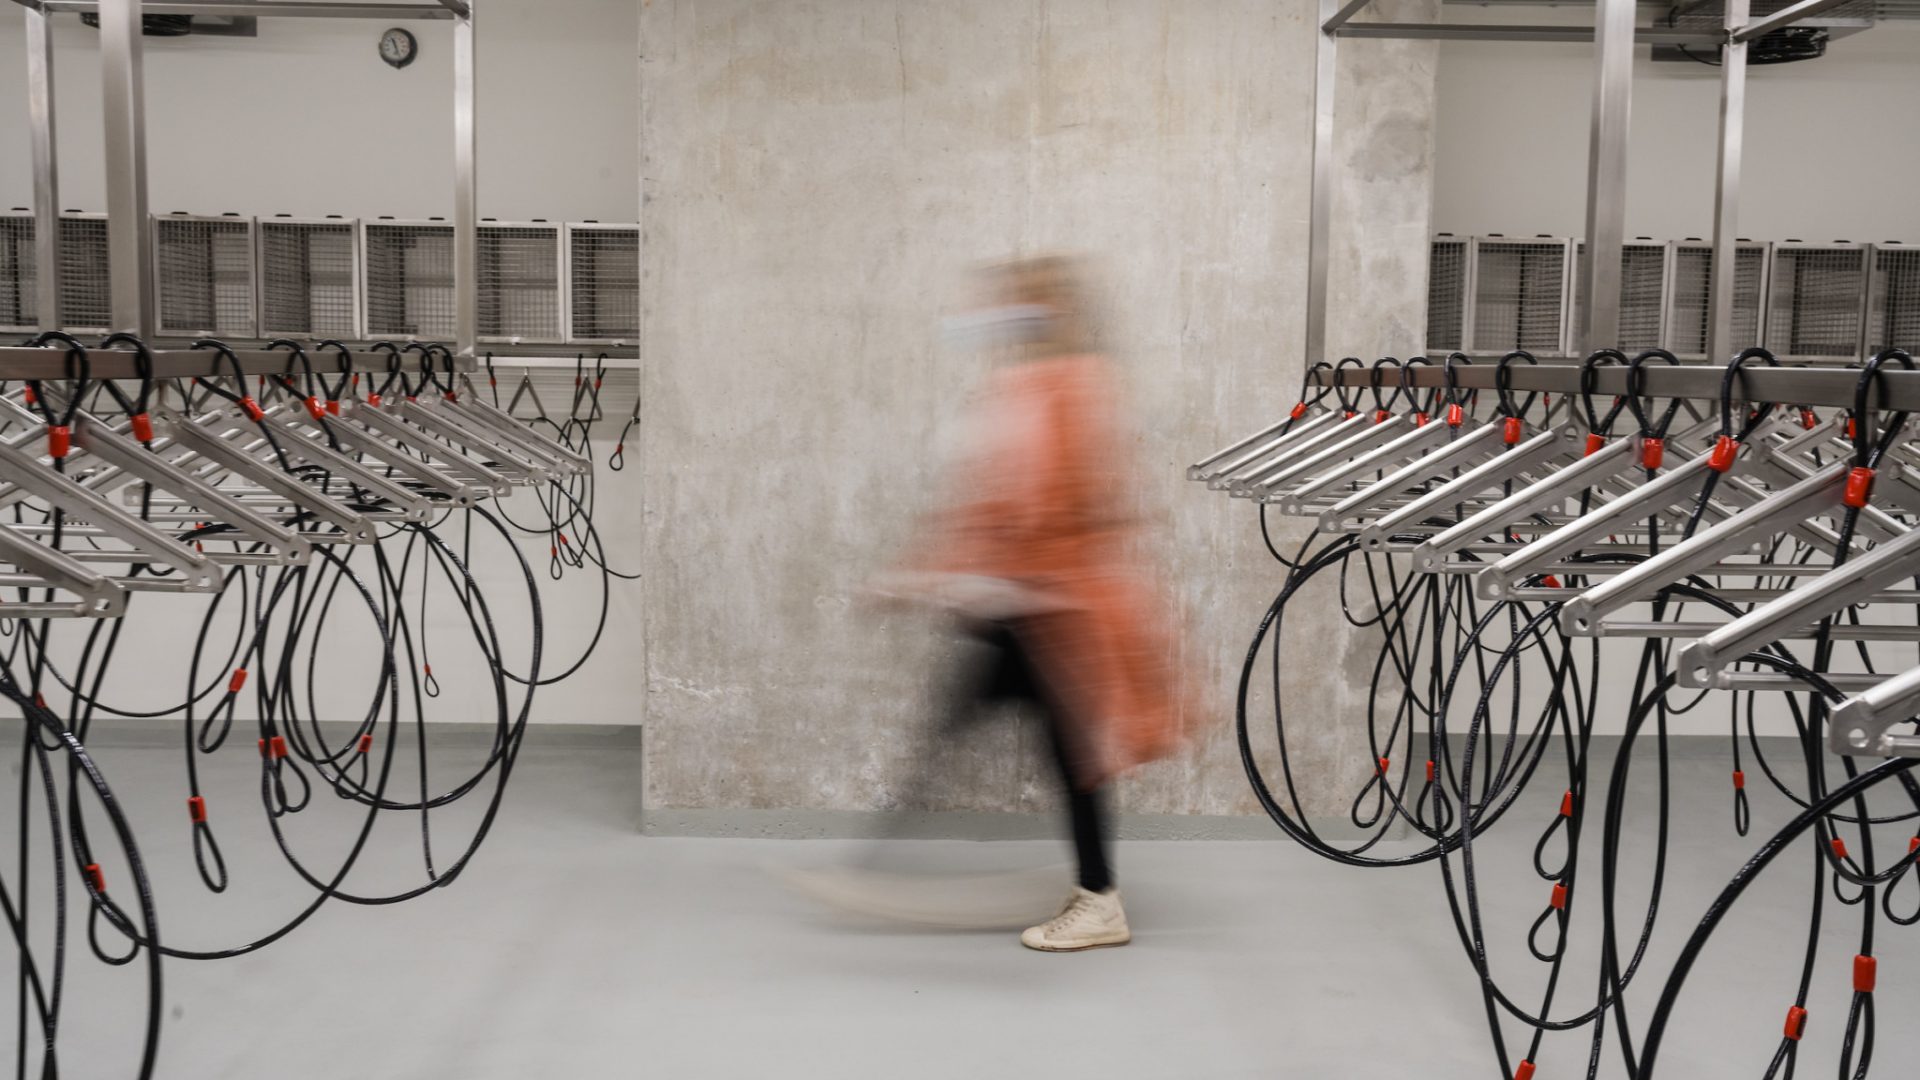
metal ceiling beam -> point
(458, 7)
(1346, 13)
(1645, 35)
(1785, 17)
(274, 8)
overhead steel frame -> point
(130, 239)
(1614, 35)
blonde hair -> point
(1051, 281)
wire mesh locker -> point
(1690, 307)
(1816, 300)
(1447, 294)
(603, 283)
(1520, 295)
(19, 301)
(308, 269)
(1644, 271)
(86, 283)
(519, 281)
(408, 279)
(203, 275)
(1893, 299)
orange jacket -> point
(1041, 501)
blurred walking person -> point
(1032, 552)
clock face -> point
(397, 47)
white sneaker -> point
(1090, 920)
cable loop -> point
(1503, 384)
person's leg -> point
(1085, 814)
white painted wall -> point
(1829, 142)
(306, 119)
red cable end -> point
(426, 669)
(197, 809)
(563, 538)
(59, 441)
(263, 748)
(1421, 419)
(1566, 805)
(278, 744)
(1299, 410)
(451, 396)
(27, 395)
(1456, 416)
(1385, 764)
(238, 681)
(1380, 416)
(1739, 780)
(1859, 487)
(1796, 1023)
(1913, 845)
(313, 407)
(374, 400)
(1724, 451)
(1595, 441)
(1350, 414)
(1515, 428)
(1559, 900)
(1550, 582)
(1430, 780)
(366, 743)
(553, 551)
(143, 427)
(1839, 848)
(333, 407)
(1866, 974)
(1652, 452)
(252, 409)
(39, 701)
(1808, 419)
(1853, 428)
(1524, 1072)
(96, 878)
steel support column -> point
(1726, 190)
(1320, 214)
(1607, 175)
(466, 261)
(46, 168)
(123, 103)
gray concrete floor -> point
(575, 948)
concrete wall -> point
(1822, 160)
(819, 176)
(306, 119)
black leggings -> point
(1007, 673)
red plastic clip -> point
(1652, 452)
(356, 381)
(410, 397)
(1566, 805)
(313, 407)
(1456, 416)
(1299, 410)
(1524, 1072)
(366, 743)
(1595, 441)
(1384, 765)
(239, 680)
(1796, 1023)
(1349, 414)
(1559, 900)
(427, 670)
(1808, 419)
(39, 701)
(1380, 416)
(451, 396)
(333, 406)
(263, 748)
(59, 441)
(563, 538)
(1515, 428)
(278, 745)
(96, 878)
(252, 409)
(1739, 780)
(1724, 451)
(1839, 848)
(373, 400)
(1859, 487)
(1420, 419)
(1913, 845)
(197, 809)
(1853, 428)
(1430, 779)
(1549, 581)
(143, 427)
(1866, 973)
(27, 395)
(553, 551)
